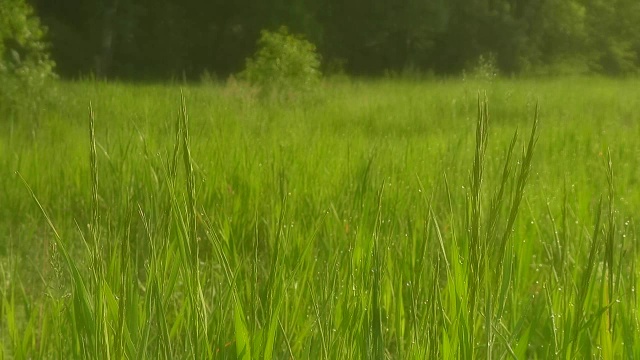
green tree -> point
(283, 64)
(24, 59)
(558, 37)
(22, 47)
(163, 39)
(614, 41)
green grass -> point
(383, 219)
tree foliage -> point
(283, 62)
(22, 47)
(170, 38)
(25, 64)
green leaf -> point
(243, 347)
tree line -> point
(160, 39)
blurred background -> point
(165, 39)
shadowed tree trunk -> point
(105, 57)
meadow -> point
(377, 219)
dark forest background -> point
(161, 39)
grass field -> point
(376, 219)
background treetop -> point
(160, 39)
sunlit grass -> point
(377, 219)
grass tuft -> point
(391, 220)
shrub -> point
(484, 68)
(284, 64)
(25, 64)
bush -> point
(485, 68)
(25, 64)
(284, 64)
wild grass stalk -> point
(243, 231)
